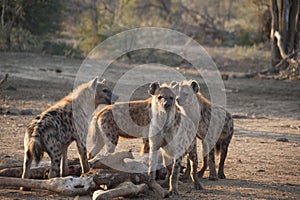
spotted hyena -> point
(212, 139)
(174, 133)
(53, 130)
(123, 119)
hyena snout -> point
(168, 103)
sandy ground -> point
(257, 166)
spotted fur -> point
(212, 139)
(123, 119)
(53, 130)
(174, 133)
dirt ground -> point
(257, 166)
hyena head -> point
(163, 98)
(103, 95)
(187, 92)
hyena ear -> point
(153, 87)
(103, 81)
(195, 86)
(93, 84)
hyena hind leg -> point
(64, 161)
(193, 160)
(83, 157)
(224, 150)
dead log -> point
(36, 173)
(74, 186)
(11, 165)
(112, 180)
(69, 186)
(111, 160)
(125, 189)
(101, 162)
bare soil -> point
(257, 166)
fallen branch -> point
(36, 172)
(110, 161)
(270, 70)
(76, 186)
(126, 189)
(69, 186)
(274, 69)
(112, 180)
(101, 162)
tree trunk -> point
(292, 26)
(285, 21)
(275, 55)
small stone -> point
(58, 70)
(282, 139)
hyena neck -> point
(83, 106)
(163, 118)
(203, 102)
(191, 111)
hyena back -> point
(54, 129)
(174, 133)
(212, 139)
(112, 121)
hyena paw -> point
(221, 176)
(213, 177)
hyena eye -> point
(105, 90)
(159, 97)
(172, 98)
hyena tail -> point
(93, 129)
(35, 148)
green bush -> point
(247, 37)
(24, 40)
(62, 49)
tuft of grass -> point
(255, 51)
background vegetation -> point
(74, 27)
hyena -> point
(125, 119)
(212, 139)
(54, 130)
(174, 133)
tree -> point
(39, 17)
(285, 32)
(10, 12)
